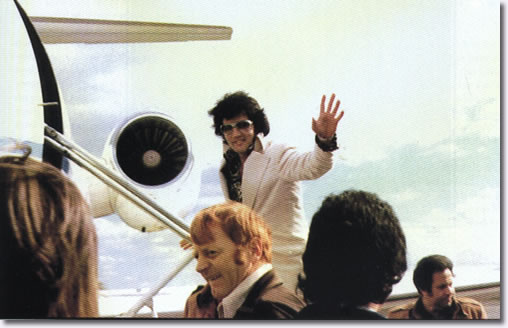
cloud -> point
(479, 208)
(446, 195)
(406, 196)
(108, 259)
(467, 233)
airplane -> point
(148, 158)
(137, 185)
(165, 152)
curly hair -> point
(238, 103)
(425, 269)
(355, 252)
(48, 244)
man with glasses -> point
(265, 175)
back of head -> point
(355, 252)
(239, 223)
(425, 269)
(47, 244)
(235, 104)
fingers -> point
(336, 108)
(185, 244)
(340, 116)
(330, 103)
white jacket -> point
(271, 187)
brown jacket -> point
(462, 308)
(267, 299)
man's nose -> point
(202, 265)
(235, 131)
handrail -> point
(147, 299)
(123, 187)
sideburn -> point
(238, 258)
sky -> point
(419, 83)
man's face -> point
(219, 263)
(239, 139)
(442, 292)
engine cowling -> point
(153, 153)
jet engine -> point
(152, 153)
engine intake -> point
(151, 150)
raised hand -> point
(326, 124)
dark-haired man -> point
(266, 176)
(356, 252)
(433, 277)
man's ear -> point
(424, 293)
(256, 247)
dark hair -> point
(425, 269)
(355, 252)
(48, 244)
(238, 103)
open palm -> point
(326, 124)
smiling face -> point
(442, 292)
(239, 139)
(222, 263)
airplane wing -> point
(75, 30)
(51, 30)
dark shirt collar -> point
(232, 173)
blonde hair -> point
(48, 244)
(240, 223)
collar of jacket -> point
(204, 298)
(420, 312)
(256, 290)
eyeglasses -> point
(240, 125)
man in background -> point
(433, 277)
